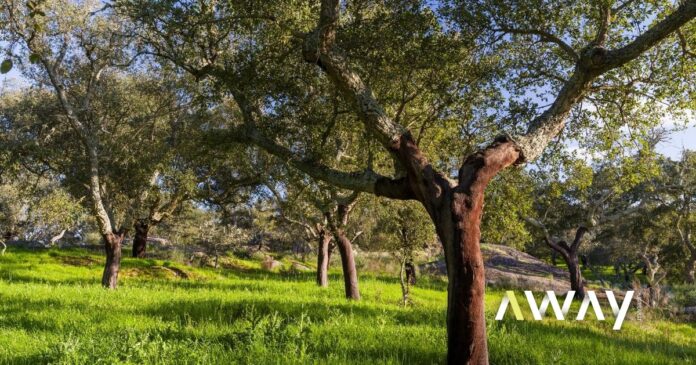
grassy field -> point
(52, 310)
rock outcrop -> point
(507, 267)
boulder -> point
(296, 266)
(270, 264)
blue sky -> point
(685, 139)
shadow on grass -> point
(196, 311)
(22, 259)
(53, 315)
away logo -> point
(550, 298)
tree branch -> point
(605, 14)
(545, 36)
(559, 247)
(358, 234)
(593, 62)
(684, 13)
(91, 150)
(579, 233)
(312, 231)
(365, 181)
(319, 49)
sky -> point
(679, 141)
(10, 80)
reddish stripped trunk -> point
(456, 212)
(466, 324)
(350, 274)
(140, 238)
(323, 259)
(112, 247)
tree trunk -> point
(627, 276)
(569, 253)
(112, 246)
(576, 283)
(691, 269)
(585, 261)
(410, 269)
(403, 279)
(654, 295)
(323, 259)
(140, 238)
(350, 274)
(466, 323)
(456, 211)
(691, 272)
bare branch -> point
(365, 181)
(358, 234)
(57, 237)
(545, 36)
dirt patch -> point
(158, 272)
(78, 260)
(174, 270)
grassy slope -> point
(52, 310)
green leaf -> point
(5, 66)
(34, 58)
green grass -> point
(52, 310)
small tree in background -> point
(54, 214)
(218, 237)
(403, 229)
(40, 210)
